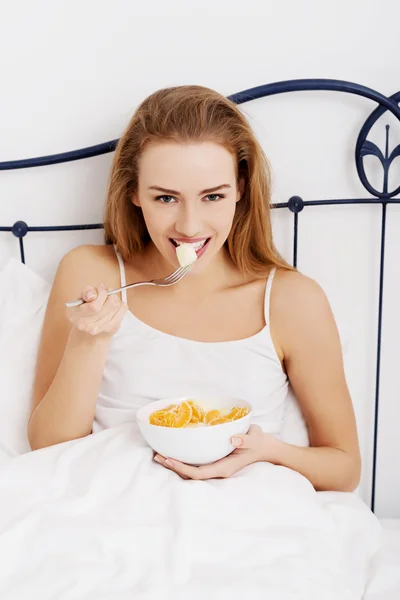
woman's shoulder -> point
(296, 296)
(301, 315)
(89, 265)
(88, 253)
(295, 282)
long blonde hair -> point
(186, 114)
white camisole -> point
(145, 364)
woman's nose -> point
(188, 222)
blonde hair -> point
(186, 114)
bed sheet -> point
(98, 518)
(385, 578)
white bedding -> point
(385, 576)
(98, 519)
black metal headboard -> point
(295, 204)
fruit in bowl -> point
(194, 431)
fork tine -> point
(175, 274)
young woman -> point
(242, 323)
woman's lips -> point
(200, 249)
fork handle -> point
(114, 291)
(74, 303)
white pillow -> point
(23, 299)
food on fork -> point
(186, 254)
(190, 414)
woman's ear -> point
(135, 200)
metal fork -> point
(166, 281)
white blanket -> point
(98, 519)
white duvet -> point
(98, 519)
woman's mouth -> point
(200, 246)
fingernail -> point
(169, 462)
(90, 295)
(157, 459)
(102, 286)
(236, 441)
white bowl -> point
(193, 445)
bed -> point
(23, 296)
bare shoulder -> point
(300, 309)
(297, 293)
(98, 259)
(87, 265)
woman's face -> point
(188, 194)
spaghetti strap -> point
(122, 274)
(268, 294)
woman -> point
(243, 323)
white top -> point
(145, 364)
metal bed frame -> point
(295, 204)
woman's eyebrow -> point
(215, 189)
(175, 193)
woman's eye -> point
(165, 199)
(214, 197)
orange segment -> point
(210, 415)
(219, 421)
(184, 415)
(236, 412)
(159, 413)
(153, 420)
(169, 419)
(232, 415)
(243, 411)
(197, 413)
(157, 417)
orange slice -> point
(243, 411)
(210, 415)
(219, 421)
(197, 413)
(155, 421)
(233, 414)
(157, 417)
(184, 415)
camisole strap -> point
(268, 294)
(122, 274)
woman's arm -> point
(72, 354)
(306, 333)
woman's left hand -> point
(250, 448)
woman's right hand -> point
(101, 315)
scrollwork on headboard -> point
(364, 147)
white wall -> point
(73, 72)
